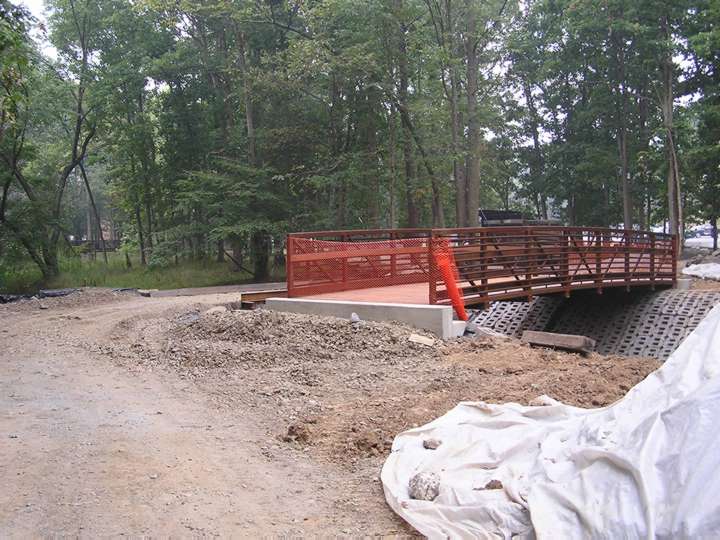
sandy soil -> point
(122, 415)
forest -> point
(180, 131)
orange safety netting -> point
(322, 266)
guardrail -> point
(493, 263)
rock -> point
(421, 340)
(7, 298)
(431, 444)
(484, 331)
(424, 486)
(697, 259)
(297, 433)
(354, 318)
(543, 401)
(55, 293)
(216, 309)
(493, 484)
(369, 443)
(42, 306)
(146, 292)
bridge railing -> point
(494, 263)
(501, 263)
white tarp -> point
(646, 466)
(704, 270)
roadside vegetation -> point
(76, 271)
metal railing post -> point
(565, 258)
(652, 261)
(343, 278)
(289, 245)
(432, 274)
(598, 260)
(627, 260)
(528, 263)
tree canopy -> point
(211, 128)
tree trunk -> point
(237, 249)
(472, 158)
(392, 165)
(260, 247)
(141, 236)
(247, 99)
(673, 175)
(462, 217)
(621, 111)
(83, 173)
(413, 219)
(537, 164)
(371, 101)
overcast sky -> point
(36, 7)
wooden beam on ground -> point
(566, 342)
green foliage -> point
(218, 126)
(84, 272)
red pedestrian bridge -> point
(490, 263)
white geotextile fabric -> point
(646, 466)
(705, 271)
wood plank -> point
(566, 342)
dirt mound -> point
(497, 372)
(266, 338)
(343, 390)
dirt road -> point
(126, 416)
(89, 448)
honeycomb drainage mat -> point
(629, 324)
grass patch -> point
(20, 279)
(77, 272)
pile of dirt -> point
(267, 338)
(343, 390)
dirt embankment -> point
(343, 390)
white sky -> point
(37, 8)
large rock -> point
(424, 486)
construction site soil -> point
(346, 389)
(319, 401)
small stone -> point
(424, 486)
(153, 477)
(216, 309)
(431, 444)
(493, 484)
(421, 340)
(13, 436)
(42, 306)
